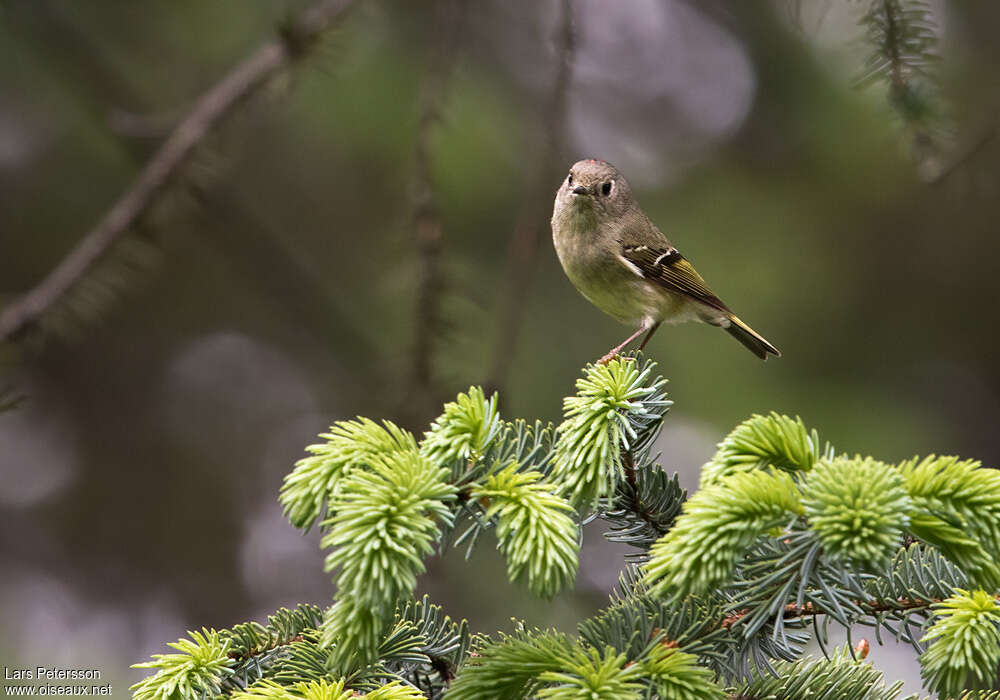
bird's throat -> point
(580, 217)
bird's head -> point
(597, 188)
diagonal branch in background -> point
(244, 80)
(427, 226)
(523, 254)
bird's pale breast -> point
(609, 283)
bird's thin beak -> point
(580, 189)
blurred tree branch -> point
(427, 226)
(523, 254)
(903, 36)
(245, 79)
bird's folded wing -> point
(668, 268)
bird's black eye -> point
(606, 188)
(569, 180)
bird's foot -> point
(607, 358)
(615, 351)
(614, 354)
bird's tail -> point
(751, 338)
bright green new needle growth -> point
(386, 521)
(510, 669)
(676, 674)
(838, 676)
(314, 690)
(964, 644)
(462, 432)
(716, 526)
(198, 671)
(592, 675)
(961, 501)
(782, 533)
(537, 536)
(325, 690)
(394, 508)
(596, 429)
(764, 441)
(354, 630)
(393, 691)
(309, 487)
(858, 507)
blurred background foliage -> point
(369, 235)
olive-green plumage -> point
(625, 266)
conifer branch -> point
(534, 528)
(528, 444)
(251, 639)
(964, 646)
(903, 40)
(386, 519)
(645, 506)
(718, 523)
(838, 494)
(460, 437)
(808, 610)
(325, 690)
(216, 662)
(198, 670)
(518, 444)
(839, 676)
(776, 441)
(309, 488)
(958, 506)
(443, 650)
(783, 539)
(635, 620)
(617, 409)
(244, 80)
(511, 669)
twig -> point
(271, 645)
(635, 503)
(901, 78)
(793, 611)
(897, 77)
(628, 463)
(426, 218)
(240, 83)
(524, 241)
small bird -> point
(626, 267)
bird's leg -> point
(613, 352)
(652, 329)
